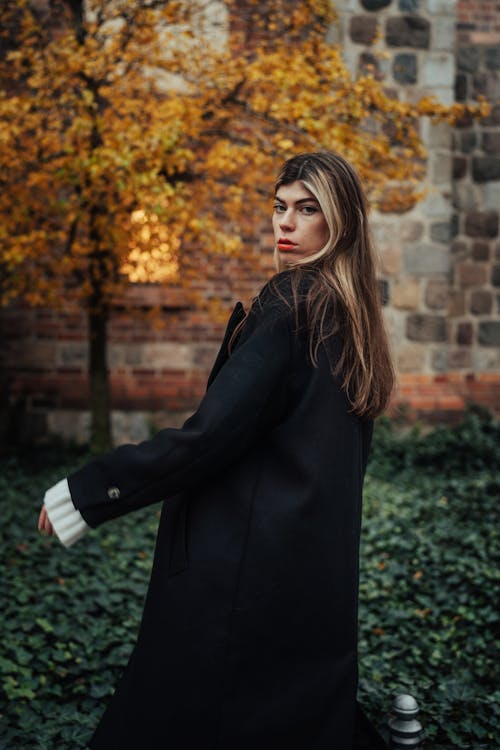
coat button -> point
(113, 493)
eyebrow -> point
(299, 202)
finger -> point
(44, 524)
(48, 526)
(41, 518)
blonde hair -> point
(343, 297)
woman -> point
(248, 638)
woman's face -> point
(300, 228)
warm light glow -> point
(153, 250)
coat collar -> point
(236, 317)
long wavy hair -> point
(343, 297)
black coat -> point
(248, 638)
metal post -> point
(405, 730)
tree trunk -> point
(100, 391)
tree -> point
(127, 119)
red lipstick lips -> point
(285, 245)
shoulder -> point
(286, 291)
(272, 313)
(279, 311)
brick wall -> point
(478, 22)
(160, 351)
(440, 262)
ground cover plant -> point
(429, 569)
(427, 615)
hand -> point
(44, 523)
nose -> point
(286, 220)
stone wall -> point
(440, 262)
(475, 309)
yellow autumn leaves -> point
(179, 117)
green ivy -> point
(429, 569)
(427, 615)
(70, 617)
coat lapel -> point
(236, 317)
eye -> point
(309, 210)
(279, 208)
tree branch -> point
(77, 12)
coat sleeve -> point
(244, 401)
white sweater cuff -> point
(67, 521)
